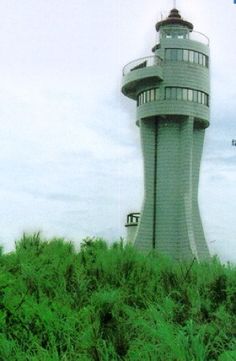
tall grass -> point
(113, 303)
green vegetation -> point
(113, 303)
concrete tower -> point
(171, 89)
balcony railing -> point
(142, 63)
(193, 35)
(197, 36)
(133, 218)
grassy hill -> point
(113, 303)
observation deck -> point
(193, 35)
(140, 73)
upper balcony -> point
(193, 35)
(141, 63)
(140, 73)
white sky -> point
(70, 160)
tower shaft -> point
(170, 220)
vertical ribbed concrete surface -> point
(170, 220)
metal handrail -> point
(133, 218)
(193, 35)
(142, 63)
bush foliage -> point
(112, 303)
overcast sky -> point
(71, 162)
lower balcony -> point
(141, 73)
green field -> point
(113, 303)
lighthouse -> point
(171, 90)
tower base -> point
(170, 220)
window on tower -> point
(191, 56)
(148, 96)
(179, 54)
(175, 34)
(186, 55)
(168, 54)
(186, 94)
(190, 95)
(179, 94)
